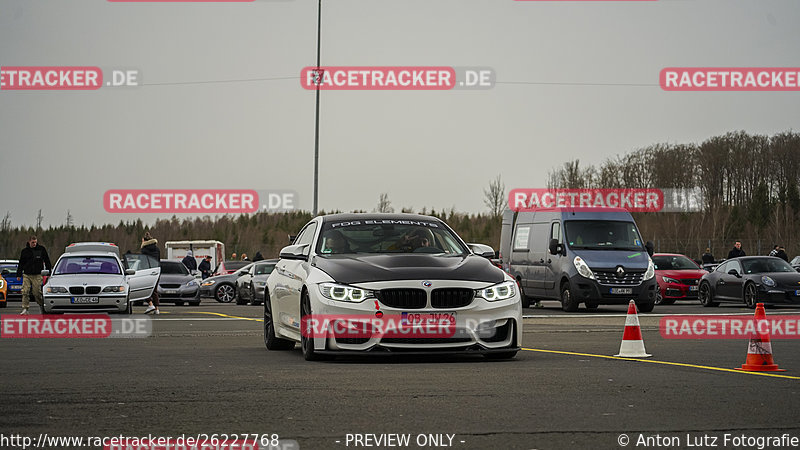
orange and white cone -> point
(759, 349)
(632, 345)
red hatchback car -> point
(678, 277)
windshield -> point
(766, 265)
(674, 262)
(11, 268)
(173, 268)
(87, 264)
(388, 236)
(602, 235)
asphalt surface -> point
(205, 370)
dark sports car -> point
(751, 279)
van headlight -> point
(651, 270)
(500, 291)
(583, 268)
(344, 293)
(56, 290)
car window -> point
(174, 268)
(264, 269)
(521, 237)
(244, 269)
(388, 236)
(766, 265)
(555, 232)
(138, 261)
(72, 265)
(306, 236)
(734, 265)
(674, 262)
(723, 268)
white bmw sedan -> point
(388, 283)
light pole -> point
(318, 79)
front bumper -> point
(182, 294)
(480, 327)
(105, 303)
(588, 290)
(778, 295)
(679, 291)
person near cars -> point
(189, 261)
(258, 257)
(32, 260)
(244, 257)
(707, 257)
(150, 248)
(335, 242)
(205, 267)
(736, 251)
(233, 256)
(774, 251)
(781, 253)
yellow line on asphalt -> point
(225, 315)
(668, 363)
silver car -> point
(91, 277)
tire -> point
(750, 295)
(568, 302)
(591, 306)
(526, 301)
(271, 341)
(661, 300)
(307, 343)
(225, 293)
(129, 310)
(646, 307)
(705, 296)
(239, 299)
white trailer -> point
(200, 249)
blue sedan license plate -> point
(622, 291)
(85, 300)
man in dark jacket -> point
(736, 251)
(781, 253)
(189, 261)
(205, 267)
(259, 257)
(32, 260)
(707, 257)
(150, 248)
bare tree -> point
(69, 222)
(384, 205)
(39, 218)
(495, 197)
(6, 224)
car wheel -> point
(271, 341)
(526, 301)
(750, 296)
(568, 302)
(307, 342)
(225, 293)
(646, 307)
(129, 309)
(240, 300)
(705, 296)
(660, 300)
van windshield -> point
(602, 235)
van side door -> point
(519, 264)
(540, 233)
(553, 263)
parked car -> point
(250, 286)
(678, 277)
(592, 256)
(177, 285)
(750, 280)
(91, 277)
(223, 287)
(8, 268)
(230, 266)
(795, 263)
(412, 269)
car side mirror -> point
(294, 252)
(45, 273)
(130, 272)
(650, 247)
(734, 273)
(555, 248)
(482, 250)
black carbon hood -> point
(366, 268)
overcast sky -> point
(222, 106)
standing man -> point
(150, 248)
(189, 262)
(781, 253)
(708, 257)
(736, 251)
(205, 267)
(32, 260)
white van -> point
(200, 249)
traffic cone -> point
(632, 345)
(759, 349)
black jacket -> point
(782, 255)
(150, 248)
(205, 268)
(708, 258)
(189, 262)
(736, 252)
(33, 260)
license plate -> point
(81, 300)
(422, 319)
(797, 293)
(692, 288)
(622, 291)
(171, 291)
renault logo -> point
(620, 272)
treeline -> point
(749, 184)
(247, 233)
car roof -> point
(89, 253)
(382, 216)
(670, 254)
(96, 247)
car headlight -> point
(208, 283)
(651, 270)
(669, 280)
(768, 281)
(56, 290)
(260, 283)
(583, 268)
(500, 291)
(191, 283)
(2, 283)
(114, 289)
(344, 293)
